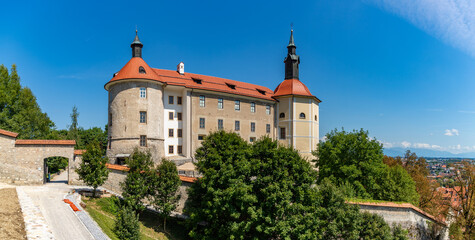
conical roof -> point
(292, 87)
(132, 70)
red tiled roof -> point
(79, 151)
(131, 71)
(126, 169)
(8, 133)
(292, 87)
(398, 205)
(44, 142)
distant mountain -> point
(421, 152)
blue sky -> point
(403, 70)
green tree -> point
(135, 188)
(55, 164)
(164, 186)
(127, 224)
(93, 170)
(19, 111)
(73, 131)
(264, 191)
(352, 158)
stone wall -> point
(73, 177)
(408, 217)
(24, 163)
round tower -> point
(135, 109)
(297, 114)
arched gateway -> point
(22, 161)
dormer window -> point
(302, 116)
(196, 80)
(142, 70)
(232, 86)
(315, 117)
(261, 91)
(282, 115)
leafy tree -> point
(164, 186)
(73, 132)
(136, 185)
(19, 111)
(464, 210)
(352, 158)
(93, 170)
(127, 224)
(264, 191)
(55, 164)
(430, 199)
(90, 135)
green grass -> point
(102, 210)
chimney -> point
(180, 68)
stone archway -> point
(22, 160)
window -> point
(236, 126)
(170, 132)
(171, 99)
(253, 126)
(252, 139)
(196, 80)
(315, 118)
(302, 116)
(202, 101)
(143, 117)
(282, 115)
(179, 100)
(143, 92)
(179, 116)
(237, 105)
(268, 110)
(180, 132)
(220, 103)
(202, 123)
(253, 107)
(267, 128)
(170, 115)
(282, 133)
(142, 70)
(220, 124)
(201, 137)
(180, 149)
(170, 149)
(110, 119)
(232, 86)
(143, 140)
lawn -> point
(102, 211)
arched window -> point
(142, 70)
(282, 115)
(302, 116)
(315, 117)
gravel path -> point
(47, 203)
(90, 224)
(35, 224)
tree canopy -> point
(92, 170)
(19, 111)
(353, 159)
(264, 191)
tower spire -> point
(136, 45)
(292, 60)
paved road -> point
(62, 221)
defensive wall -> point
(22, 161)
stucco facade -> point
(170, 112)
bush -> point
(127, 224)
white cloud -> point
(406, 144)
(463, 111)
(452, 21)
(451, 132)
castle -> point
(170, 112)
